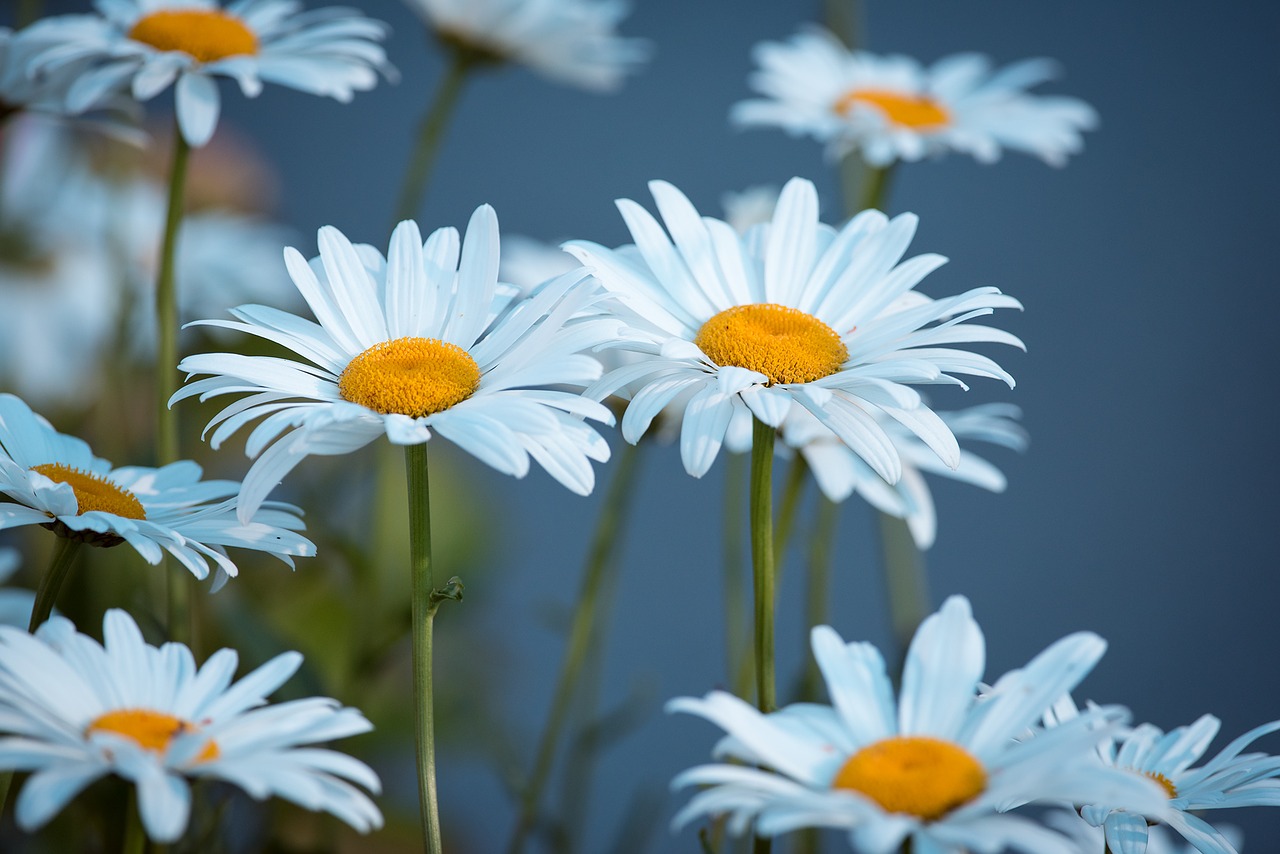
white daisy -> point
(1231, 779)
(892, 108)
(55, 481)
(76, 710)
(408, 345)
(146, 45)
(840, 472)
(794, 312)
(937, 766)
(569, 41)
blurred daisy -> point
(76, 710)
(748, 208)
(937, 767)
(54, 480)
(1091, 840)
(793, 313)
(408, 345)
(1231, 779)
(146, 45)
(569, 41)
(840, 472)
(892, 108)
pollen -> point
(1169, 788)
(917, 775)
(410, 376)
(152, 730)
(783, 343)
(206, 34)
(908, 111)
(94, 492)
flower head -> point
(793, 313)
(570, 41)
(1231, 779)
(55, 481)
(146, 45)
(937, 765)
(75, 710)
(839, 472)
(891, 108)
(423, 340)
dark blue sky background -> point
(1145, 509)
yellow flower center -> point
(909, 111)
(410, 376)
(94, 492)
(913, 774)
(1170, 789)
(783, 343)
(151, 730)
(206, 34)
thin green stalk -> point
(167, 305)
(821, 544)
(762, 561)
(135, 838)
(735, 617)
(904, 578)
(844, 18)
(430, 134)
(28, 12)
(64, 555)
(424, 610)
(792, 489)
(600, 560)
(875, 187)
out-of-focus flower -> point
(1231, 779)
(750, 207)
(569, 41)
(938, 766)
(795, 313)
(840, 472)
(144, 46)
(407, 345)
(55, 481)
(892, 108)
(76, 710)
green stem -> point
(791, 492)
(875, 187)
(430, 133)
(735, 617)
(426, 601)
(28, 12)
(64, 555)
(819, 566)
(762, 561)
(167, 305)
(844, 18)
(905, 580)
(135, 837)
(600, 559)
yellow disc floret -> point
(913, 774)
(206, 34)
(94, 492)
(151, 730)
(1169, 788)
(908, 111)
(410, 376)
(783, 343)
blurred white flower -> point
(569, 41)
(76, 710)
(892, 108)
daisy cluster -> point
(722, 333)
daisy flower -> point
(424, 340)
(1231, 779)
(892, 108)
(75, 710)
(569, 41)
(938, 766)
(796, 313)
(840, 472)
(54, 480)
(146, 45)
